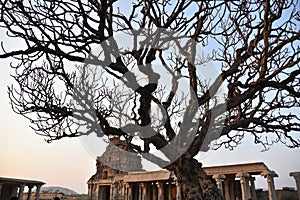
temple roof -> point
(251, 168)
(118, 156)
(20, 181)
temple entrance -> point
(104, 192)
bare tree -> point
(254, 44)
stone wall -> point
(283, 194)
(51, 196)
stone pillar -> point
(1, 188)
(29, 192)
(125, 191)
(296, 176)
(125, 186)
(248, 189)
(89, 191)
(115, 190)
(244, 184)
(37, 193)
(160, 192)
(178, 190)
(219, 178)
(144, 191)
(14, 190)
(129, 192)
(226, 189)
(271, 186)
(21, 192)
(253, 192)
(140, 191)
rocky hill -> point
(57, 189)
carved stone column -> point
(14, 190)
(244, 180)
(253, 192)
(0, 188)
(144, 191)
(160, 193)
(271, 186)
(129, 192)
(178, 190)
(125, 189)
(38, 190)
(140, 191)
(115, 190)
(296, 176)
(29, 192)
(219, 178)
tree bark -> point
(194, 182)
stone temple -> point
(237, 182)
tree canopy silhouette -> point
(253, 44)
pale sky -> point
(66, 163)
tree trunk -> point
(194, 182)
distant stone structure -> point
(286, 193)
(296, 176)
(118, 155)
(11, 187)
(237, 182)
